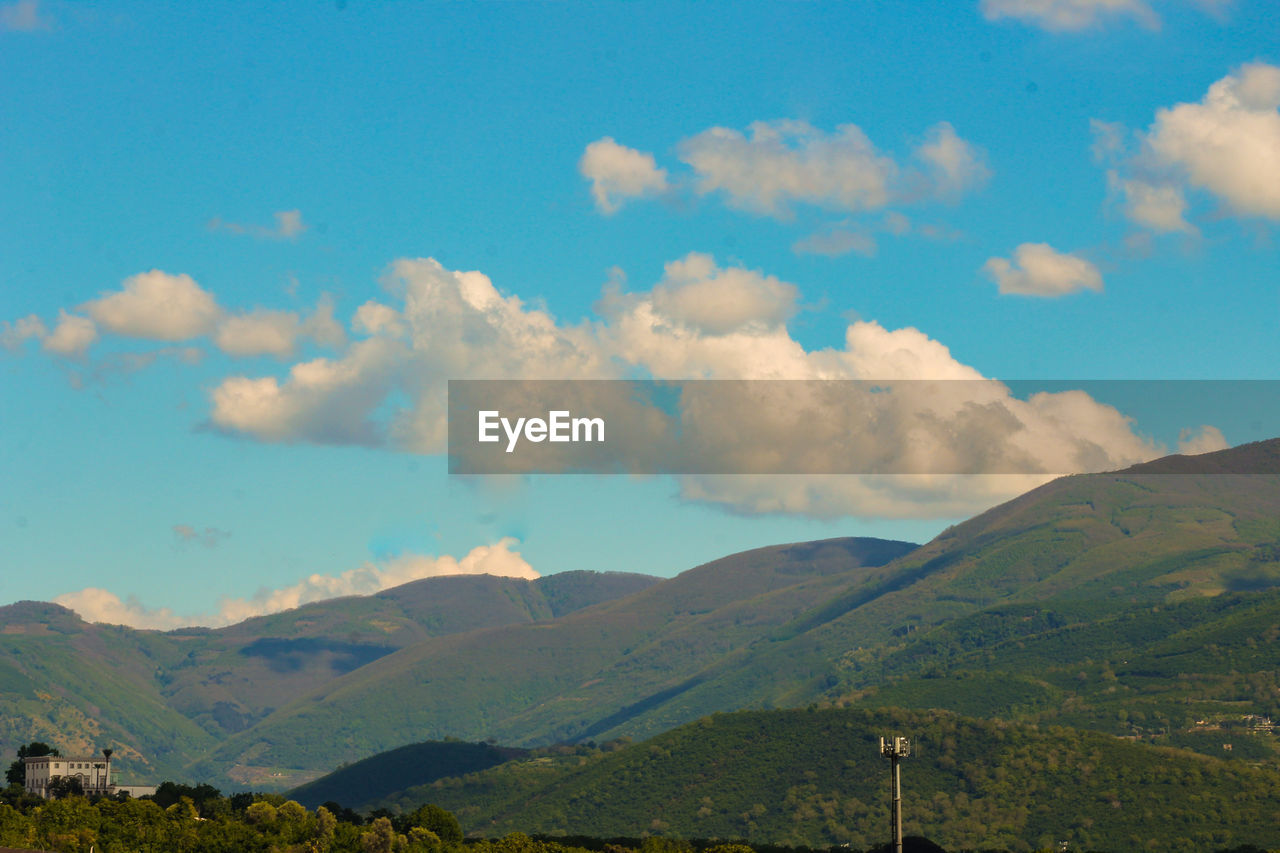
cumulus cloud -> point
(288, 226)
(1040, 270)
(781, 162)
(259, 332)
(161, 306)
(266, 332)
(775, 167)
(24, 16)
(94, 604)
(1204, 440)
(1228, 143)
(461, 327)
(72, 336)
(497, 559)
(322, 327)
(99, 605)
(328, 401)
(617, 173)
(453, 324)
(697, 293)
(157, 306)
(374, 318)
(14, 335)
(954, 165)
(1158, 207)
(930, 430)
(1226, 146)
(1070, 15)
(388, 386)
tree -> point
(66, 786)
(17, 772)
(380, 837)
(434, 819)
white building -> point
(93, 771)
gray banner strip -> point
(920, 427)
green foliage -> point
(265, 825)
(16, 774)
(435, 820)
(815, 777)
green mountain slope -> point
(1092, 545)
(164, 700)
(1065, 605)
(778, 628)
(816, 778)
(554, 680)
(83, 687)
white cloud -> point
(1159, 207)
(260, 332)
(617, 173)
(453, 325)
(99, 605)
(955, 166)
(94, 604)
(157, 306)
(782, 162)
(1229, 143)
(72, 336)
(266, 332)
(775, 166)
(1204, 440)
(24, 16)
(324, 401)
(697, 293)
(288, 226)
(1226, 145)
(497, 559)
(14, 335)
(1039, 270)
(700, 320)
(461, 327)
(374, 318)
(322, 327)
(1070, 15)
(928, 430)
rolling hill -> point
(815, 778)
(1080, 549)
(555, 680)
(164, 700)
(1089, 601)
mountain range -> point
(1138, 603)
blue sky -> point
(224, 343)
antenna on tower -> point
(895, 749)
